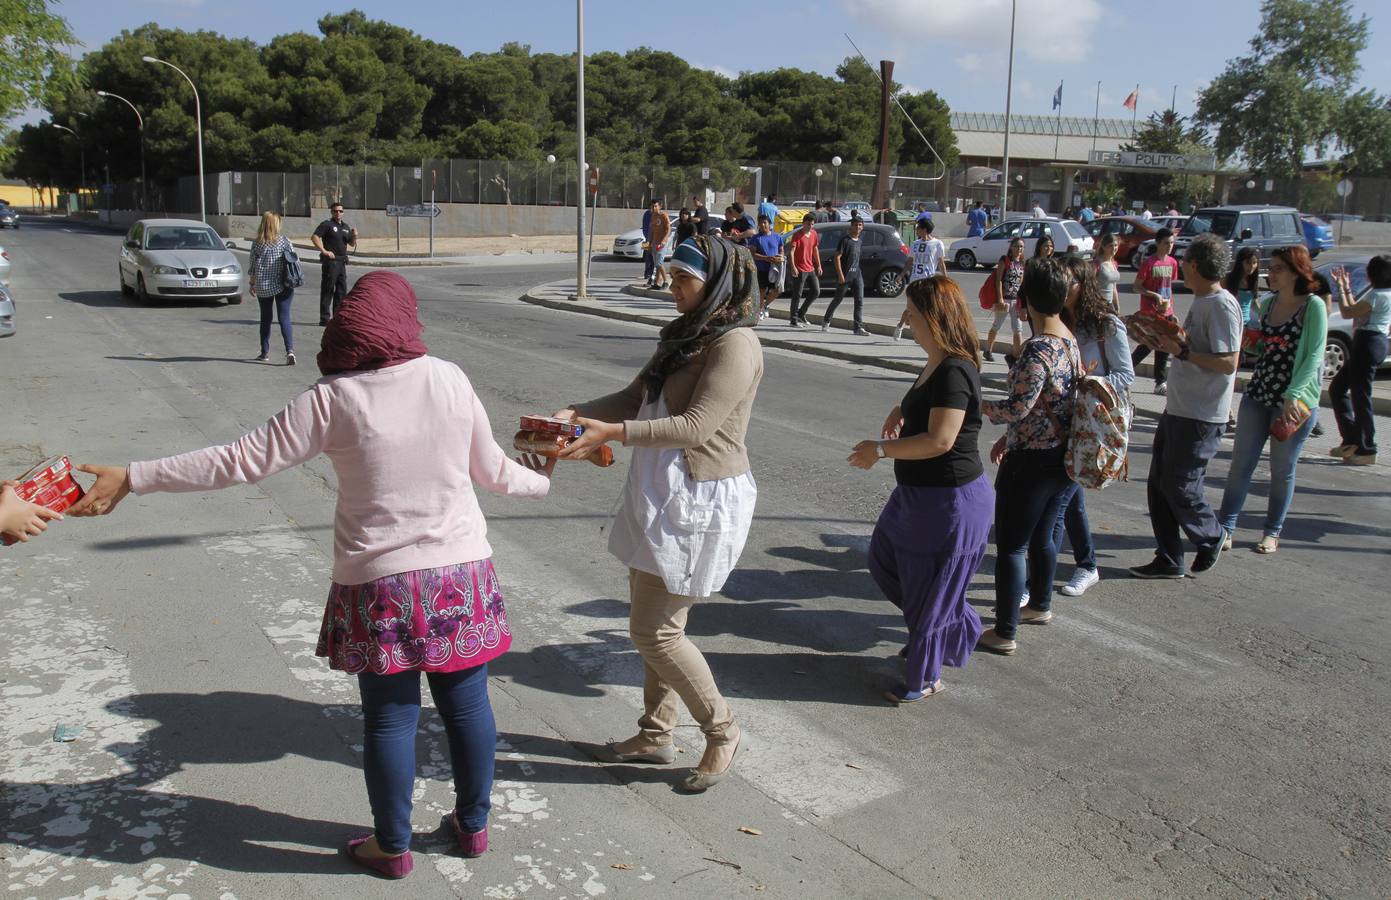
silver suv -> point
(1267, 228)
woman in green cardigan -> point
(1283, 390)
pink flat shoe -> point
(472, 843)
(387, 866)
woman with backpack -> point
(931, 536)
(414, 589)
(1286, 333)
(268, 282)
(1105, 350)
(1032, 480)
(1008, 275)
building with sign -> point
(1054, 159)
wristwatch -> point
(1183, 351)
(879, 449)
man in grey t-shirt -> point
(1189, 432)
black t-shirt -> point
(700, 218)
(336, 236)
(849, 251)
(955, 384)
(685, 230)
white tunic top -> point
(690, 533)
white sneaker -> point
(1161, 389)
(1079, 582)
(898, 333)
(1024, 599)
(825, 326)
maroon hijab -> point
(374, 327)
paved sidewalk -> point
(620, 299)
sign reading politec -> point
(1142, 159)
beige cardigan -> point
(710, 400)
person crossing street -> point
(332, 239)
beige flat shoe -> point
(620, 752)
(698, 782)
(1268, 545)
(1030, 616)
(1343, 451)
(991, 641)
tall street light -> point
(1009, 94)
(198, 119)
(82, 160)
(835, 164)
(581, 290)
(140, 120)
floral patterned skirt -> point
(429, 620)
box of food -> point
(552, 425)
(49, 484)
(550, 445)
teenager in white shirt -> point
(927, 255)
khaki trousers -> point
(673, 666)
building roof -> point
(1064, 125)
(1035, 137)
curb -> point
(1380, 405)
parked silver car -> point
(6, 313)
(178, 259)
(4, 266)
(629, 245)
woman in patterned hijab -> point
(689, 500)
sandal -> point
(1269, 544)
(899, 694)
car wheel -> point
(234, 301)
(1335, 354)
(140, 292)
(965, 259)
(126, 290)
(889, 283)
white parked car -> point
(629, 245)
(1068, 237)
(178, 259)
(6, 313)
(4, 266)
(849, 208)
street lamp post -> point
(581, 292)
(198, 120)
(1009, 96)
(819, 171)
(550, 176)
(140, 120)
(835, 164)
(82, 160)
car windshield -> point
(1074, 229)
(180, 237)
(1218, 222)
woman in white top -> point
(689, 500)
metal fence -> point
(528, 182)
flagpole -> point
(1058, 127)
(1134, 111)
(1096, 116)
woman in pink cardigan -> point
(413, 583)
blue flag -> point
(1058, 97)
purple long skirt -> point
(925, 550)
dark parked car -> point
(883, 258)
(1267, 228)
(9, 216)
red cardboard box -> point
(49, 484)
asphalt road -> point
(1223, 736)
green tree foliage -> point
(1169, 132)
(1363, 125)
(1285, 96)
(363, 91)
(33, 59)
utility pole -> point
(1009, 94)
(198, 120)
(581, 289)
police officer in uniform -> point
(332, 238)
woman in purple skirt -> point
(931, 536)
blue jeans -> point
(280, 306)
(855, 283)
(1072, 517)
(390, 715)
(1252, 432)
(1029, 490)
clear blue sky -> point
(955, 47)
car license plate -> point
(200, 284)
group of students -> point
(414, 588)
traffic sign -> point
(705, 174)
(414, 211)
(1344, 188)
(594, 180)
